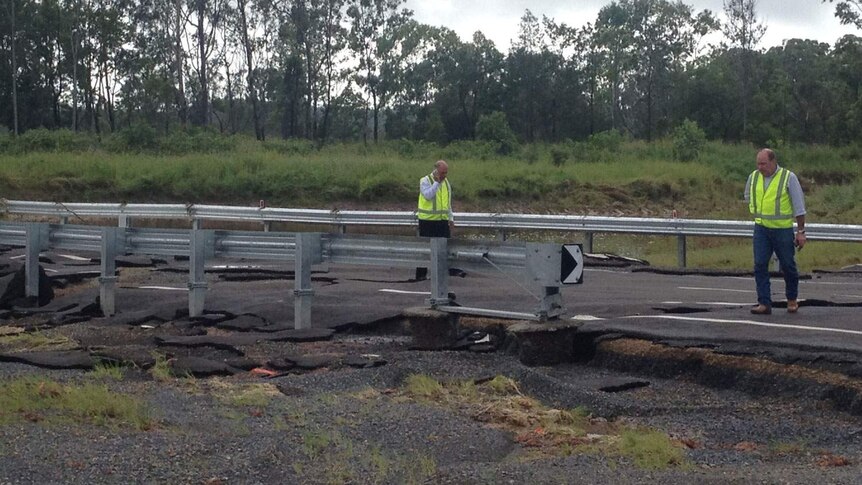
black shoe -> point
(421, 274)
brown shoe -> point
(761, 310)
(792, 306)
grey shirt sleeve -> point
(427, 189)
(797, 198)
(746, 194)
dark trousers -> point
(431, 229)
(779, 241)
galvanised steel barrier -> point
(538, 264)
(589, 225)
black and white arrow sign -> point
(572, 264)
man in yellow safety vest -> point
(435, 207)
(775, 199)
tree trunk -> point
(204, 115)
(14, 7)
(249, 56)
(182, 105)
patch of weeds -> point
(249, 395)
(161, 370)
(416, 468)
(328, 399)
(314, 443)
(33, 341)
(43, 400)
(541, 430)
(650, 449)
(422, 387)
(380, 465)
(106, 371)
(788, 448)
(502, 385)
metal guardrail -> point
(538, 263)
(589, 225)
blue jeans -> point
(781, 242)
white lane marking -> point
(19, 256)
(169, 288)
(73, 257)
(49, 270)
(716, 303)
(714, 289)
(830, 283)
(852, 296)
(405, 292)
(590, 270)
(749, 322)
(586, 318)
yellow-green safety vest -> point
(771, 207)
(438, 208)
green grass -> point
(43, 400)
(633, 179)
(33, 341)
(104, 371)
(650, 449)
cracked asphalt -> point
(730, 436)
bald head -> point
(441, 169)
(767, 163)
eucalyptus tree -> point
(848, 11)
(10, 51)
(744, 31)
(377, 31)
(311, 45)
(467, 79)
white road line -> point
(717, 303)
(405, 292)
(586, 318)
(838, 283)
(852, 296)
(748, 322)
(169, 288)
(714, 289)
(73, 257)
(590, 270)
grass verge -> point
(41, 400)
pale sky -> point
(498, 20)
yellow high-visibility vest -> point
(438, 208)
(771, 207)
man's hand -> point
(799, 240)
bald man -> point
(435, 206)
(775, 199)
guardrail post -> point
(267, 226)
(588, 242)
(308, 252)
(197, 224)
(108, 279)
(35, 238)
(64, 219)
(680, 250)
(197, 279)
(502, 235)
(439, 272)
(124, 220)
(543, 266)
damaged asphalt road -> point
(774, 399)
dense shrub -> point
(470, 150)
(494, 128)
(136, 138)
(44, 140)
(559, 155)
(610, 140)
(688, 141)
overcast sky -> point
(498, 19)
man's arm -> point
(746, 194)
(427, 189)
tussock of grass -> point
(105, 371)
(44, 400)
(36, 341)
(650, 449)
(246, 395)
(161, 369)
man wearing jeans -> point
(775, 199)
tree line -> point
(331, 70)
